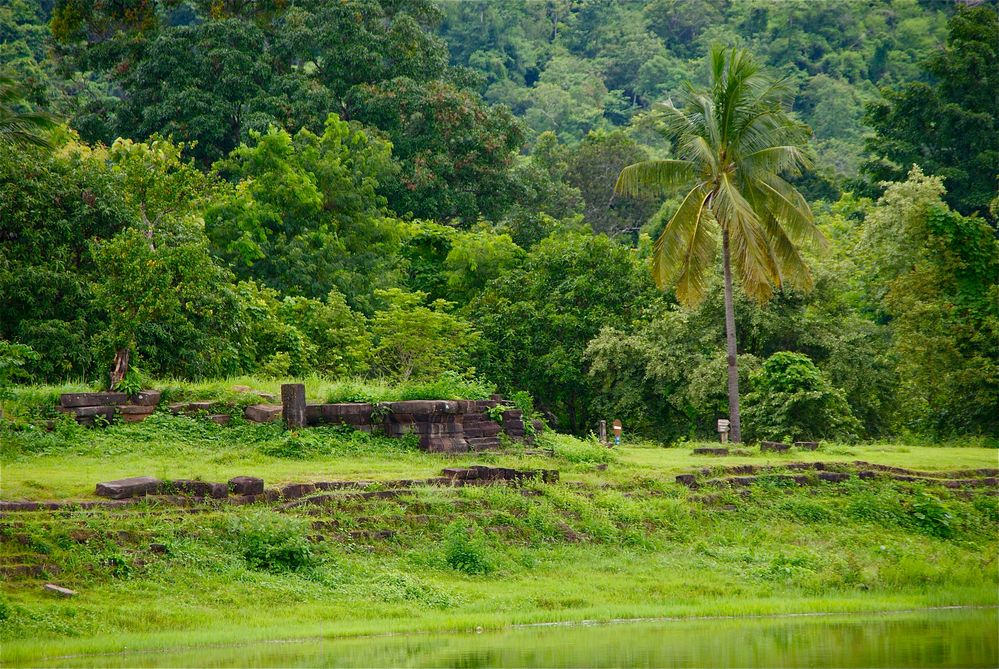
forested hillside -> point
(406, 189)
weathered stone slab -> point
(343, 485)
(833, 477)
(137, 486)
(710, 451)
(297, 490)
(688, 480)
(199, 488)
(59, 590)
(108, 411)
(220, 418)
(136, 409)
(263, 413)
(423, 407)
(246, 485)
(146, 398)
(807, 445)
(293, 403)
(91, 399)
(774, 447)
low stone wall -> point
(86, 407)
(250, 490)
(443, 426)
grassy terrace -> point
(614, 542)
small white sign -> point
(723, 425)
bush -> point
(465, 549)
(928, 515)
(792, 399)
(272, 542)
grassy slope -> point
(628, 542)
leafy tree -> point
(167, 302)
(417, 342)
(454, 152)
(734, 139)
(592, 167)
(295, 336)
(18, 126)
(537, 319)
(933, 273)
(52, 206)
(476, 258)
(948, 126)
(306, 216)
(791, 398)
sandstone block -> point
(246, 485)
(146, 398)
(262, 413)
(59, 590)
(774, 447)
(137, 486)
(297, 490)
(91, 399)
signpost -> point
(603, 432)
(617, 432)
(723, 427)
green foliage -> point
(540, 317)
(948, 125)
(933, 273)
(454, 151)
(20, 127)
(466, 550)
(476, 258)
(790, 397)
(413, 341)
(272, 541)
(51, 207)
(305, 216)
(12, 360)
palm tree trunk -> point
(735, 430)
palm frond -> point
(655, 176)
(789, 207)
(747, 240)
(683, 253)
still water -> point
(939, 638)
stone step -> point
(262, 413)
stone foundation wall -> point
(443, 426)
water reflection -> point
(947, 638)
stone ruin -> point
(442, 426)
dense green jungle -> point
(400, 189)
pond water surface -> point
(934, 638)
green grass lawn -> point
(68, 462)
(617, 542)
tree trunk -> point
(119, 366)
(735, 429)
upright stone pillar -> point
(293, 405)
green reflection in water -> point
(945, 638)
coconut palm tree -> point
(733, 140)
(20, 128)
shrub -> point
(792, 399)
(272, 542)
(465, 549)
(928, 515)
